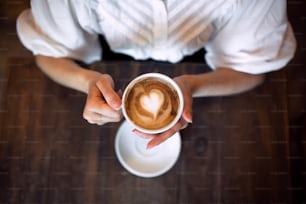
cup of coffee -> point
(152, 103)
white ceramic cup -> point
(162, 78)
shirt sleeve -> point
(256, 38)
(51, 28)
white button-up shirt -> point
(245, 35)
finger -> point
(94, 117)
(184, 126)
(110, 96)
(102, 120)
(100, 123)
(143, 135)
(106, 111)
(158, 139)
(187, 116)
(187, 111)
(95, 103)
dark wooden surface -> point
(236, 151)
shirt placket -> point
(160, 27)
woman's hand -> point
(186, 118)
(103, 103)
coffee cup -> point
(152, 103)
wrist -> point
(189, 82)
(90, 78)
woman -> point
(243, 39)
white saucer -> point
(134, 157)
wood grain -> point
(236, 151)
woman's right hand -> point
(103, 103)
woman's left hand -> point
(186, 118)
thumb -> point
(111, 97)
(187, 116)
(187, 111)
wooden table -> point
(236, 151)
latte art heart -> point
(152, 102)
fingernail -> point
(117, 105)
(188, 118)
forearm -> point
(66, 72)
(222, 82)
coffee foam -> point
(152, 104)
(152, 101)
